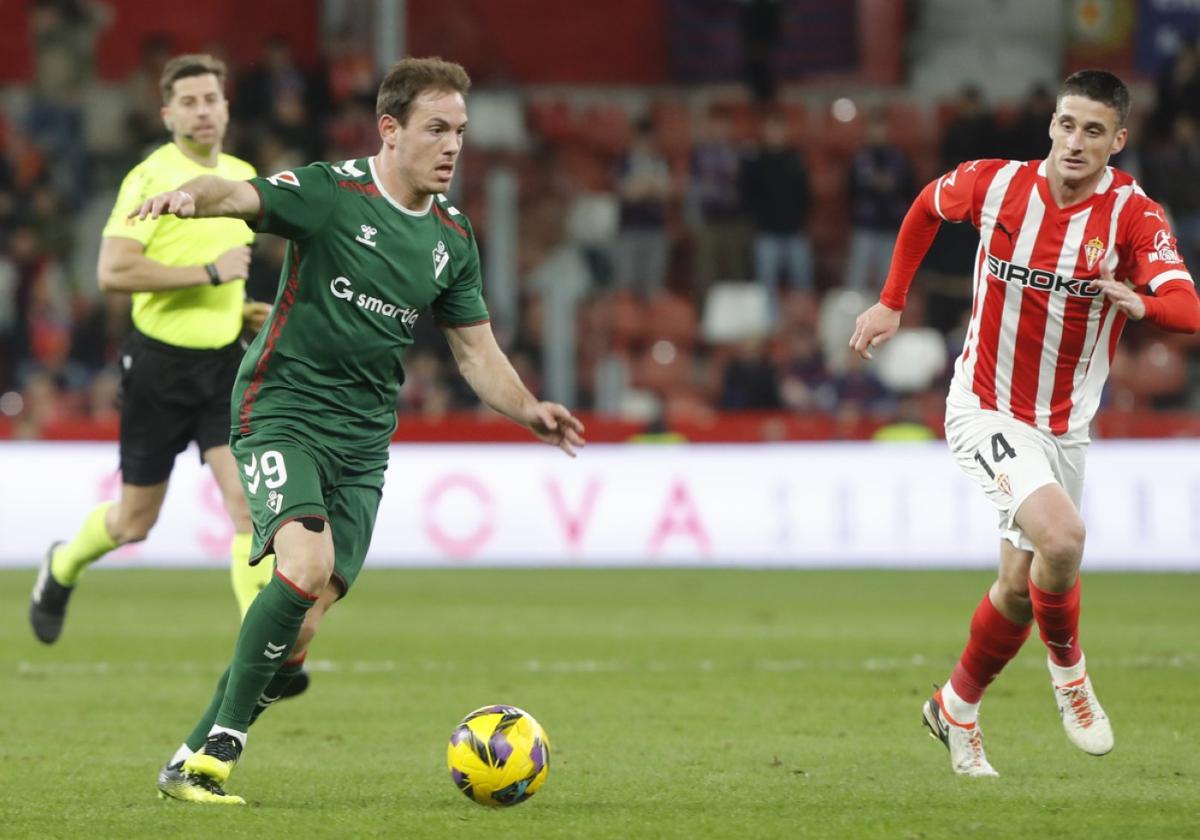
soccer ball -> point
(498, 755)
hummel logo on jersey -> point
(367, 233)
(287, 176)
(349, 169)
(274, 651)
(275, 501)
(440, 257)
(1036, 278)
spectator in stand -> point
(749, 383)
(804, 383)
(643, 189)
(775, 194)
(1026, 137)
(64, 35)
(881, 188)
(1172, 173)
(713, 207)
(350, 68)
(1178, 90)
(143, 120)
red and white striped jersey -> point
(1041, 338)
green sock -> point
(264, 643)
(196, 740)
(89, 545)
(271, 693)
(275, 687)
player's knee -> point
(1063, 546)
(135, 528)
(1012, 595)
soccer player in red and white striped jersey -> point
(1070, 249)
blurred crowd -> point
(724, 244)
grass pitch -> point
(679, 704)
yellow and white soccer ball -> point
(498, 755)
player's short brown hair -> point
(1101, 86)
(410, 77)
(184, 66)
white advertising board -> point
(794, 504)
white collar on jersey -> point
(1102, 187)
(383, 191)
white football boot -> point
(964, 741)
(1084, 721)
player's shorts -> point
(1009, 460)
(169, 397)
(286, 479)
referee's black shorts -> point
(171, 396)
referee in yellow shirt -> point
(178, 364)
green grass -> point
(680, 703)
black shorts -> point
(171, 396)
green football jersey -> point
(360, 269)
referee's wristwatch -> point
(214, 276)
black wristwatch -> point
(214, 276)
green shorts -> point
(286, 479)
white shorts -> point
(1010, 459)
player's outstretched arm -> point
(202, 198)
(490, 375)
(873, 327)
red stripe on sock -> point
(994, 640)
(1057, 616)
(298, 660)
(305, 595)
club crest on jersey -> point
(287, 176)
(1004, 484)
(1093, 251)
(440, 257)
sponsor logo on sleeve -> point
(1164, 249)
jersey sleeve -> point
(296, 203)
(1151, 253)
(954, 194)
(138, 186)
(461, 303)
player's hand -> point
(873, 327)
(255, 314)
(554, 424)
(174, 203)
(1122, 297)
(234, 264)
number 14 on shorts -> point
(271, 471)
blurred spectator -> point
(1171, 171)
(644, 189)
(881, 189)
(749, 383)
(804, 383)
(143, 121)
(774, 190)
(760, 28)
(1178, 90)
(64, 35)
(1026, 138)
(350, 68)
(972, 132)
(714, 209)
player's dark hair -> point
(410, 77)
(1101, 86)
(185, 66)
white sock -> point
(182, 754)
(1071, 673)
(957, 708)
(241, 736)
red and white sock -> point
(994, 640)
(1057, 616)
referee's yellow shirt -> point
(196, 317)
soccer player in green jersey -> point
(373, 244)
(179, 362)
